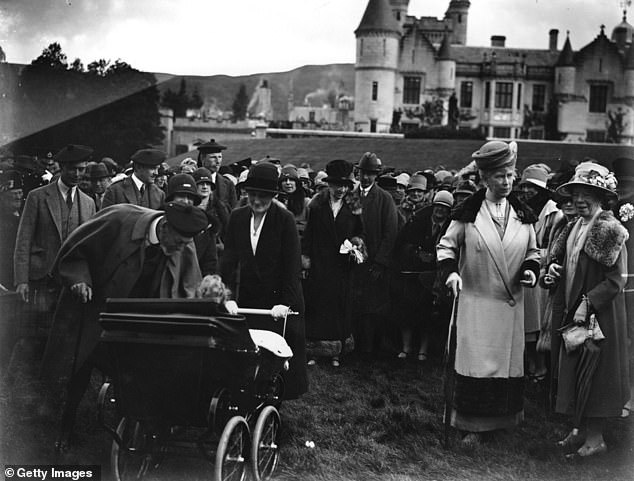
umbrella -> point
(586, 366)
(448, 369)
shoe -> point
(472, 439)
(334, 362)
(311, 362)
(585, 450)
(536, 378)
(402, 355)
(573, 440)
(422, 357)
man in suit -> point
(380, 223)
(210, 157)
(139, 188)
(100, 179)
(124, 251)
(50, 214)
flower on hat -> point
(626, 212)
(595, 178)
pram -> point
(183, 366)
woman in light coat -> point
(490, 254)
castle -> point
(419, 71)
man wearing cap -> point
(123, 251)
(100, 180)
(210, 157)
(139, 188)
(50, 214)
(380, 222)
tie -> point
(142, 191)
(69, 200)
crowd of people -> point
(375, 262)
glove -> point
(454, 282)
(23, 290)
(305, 262)
(82, 291)
(231, 307)
(554, 271)
(528, 278)
(279, 311)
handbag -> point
(575, 333)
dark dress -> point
(268, 278)
(328, 295)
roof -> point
(378, 17)
(532, 57)
(566, 58)
(628, 28)
(444, 52)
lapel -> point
(328, 218)
(130, 191)
(484, 225)
(513, 227)
(52, 201)
(266, 236)
(576, 290)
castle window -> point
(519, 97)
(384, 46)
(413, 55)
(398, 15)
(375, 90)
(466, 95)
(539, 97)
(311, 116)
(460, 18)
(411, 90)
(372, 125)
(503, 95)
(361, 47)
(487, 95)
(595, 136)
(502, 132)
(598, 98)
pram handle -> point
(262, 312)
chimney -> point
(553, 37)
(498, 40)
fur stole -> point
(352, 199)
(467, 210)
(603, 243)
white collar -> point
(64, 189)
(138, 182)
(152, 235)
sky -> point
(237, 37)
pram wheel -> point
(264, 446)
(132, 458)
(232, 450)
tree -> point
(178, 102)
(196, 100)
(3, 57)
(240, 103)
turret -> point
(629, 72)
(378, 38)
(399, 10)
(446, 65)
(457, 14)
(565, 71)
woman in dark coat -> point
(331, 221)
(591, 262)
(261, 264)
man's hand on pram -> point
(82, 291)
(279, 311)
(231, 307)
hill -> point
(220, 90)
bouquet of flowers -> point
(355, 248)
(626, 212)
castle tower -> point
(446, 74)
(399, 9)
(378, 38)
(629, 74)
(565, 71)
(457, 14)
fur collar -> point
(603, 243)
(467, 210)
(352, 199)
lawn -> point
(368, 420)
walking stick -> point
(448, 369)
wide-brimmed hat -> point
(289, 171)
(536, 175)
(338, 172)
(73, 153)
(443, 197)
(466, 186)
(203, 175)
(369, 162)
(148, 157)
(495, 154)
(417, 182)
(402, 179)
(591, 174)
(186, 219)
(210, 147)
(182, 184)
(10, 180)
(321, 176)
(262, 177)
(98, 171)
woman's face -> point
(204, 189)
(586, 201)
(415, 195)
(289, 185)
(528, 191)
(259, 201)
(500, 182)
(337, 191)
(568, 207)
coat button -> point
(512, 302)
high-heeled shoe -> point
(573, 440)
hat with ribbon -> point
(289, 171)
(183, 184)
(535, 174)
(186, 219)
(203, 175)
(417, 182)
(210, 147)
(338, 172)
(262, 177)
(591, 174)
(73, 153)
(495, 154)
(148, 157)
(369, 162)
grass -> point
(369, 420)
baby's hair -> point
(212, 288)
